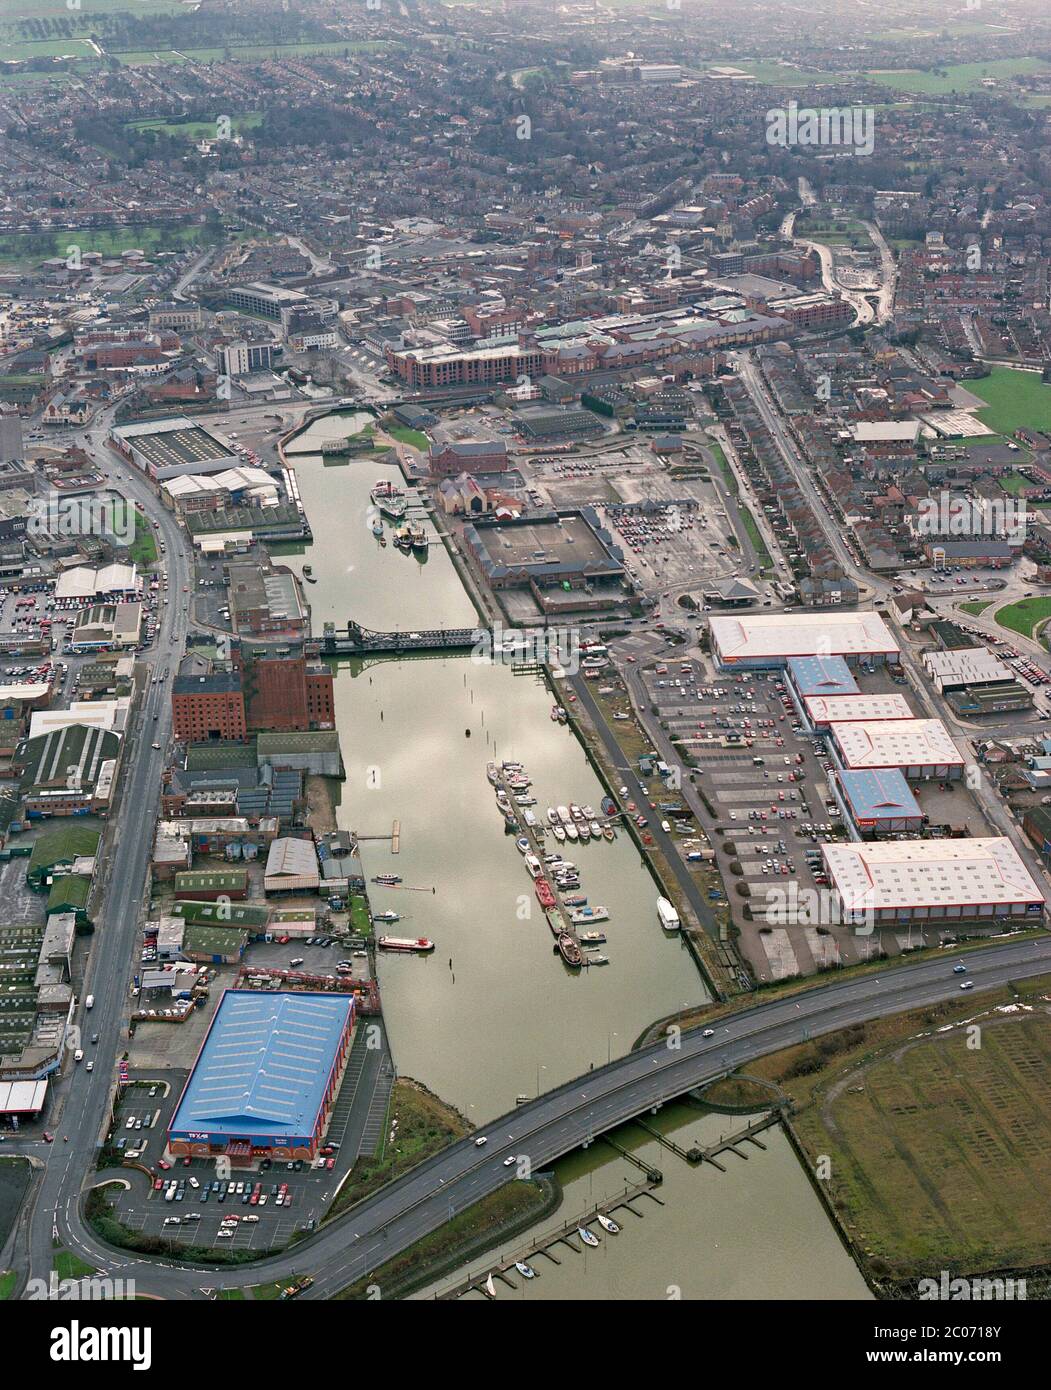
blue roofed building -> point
(879, 803)
(266, 1077)
(821, 675)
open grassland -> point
(935, 1126)
(1016, 399)
(963, 77)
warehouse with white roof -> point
(918, 748)
(931, 880)
(823, 710)
(769, 640)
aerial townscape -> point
(525, 657)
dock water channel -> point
(493, 1013)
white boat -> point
(492, 772)
(575, 811)
(526, 1271)
(571, 832)
(607, 1223)
(596, 830)
(587, 813)
(585, 916)
(490, 1287)
(584, 831)
(522, 845)
(564, 815)
(552, 815)
(592, 938)
(530, 820)
(534, 865)
(669, 918)
(588, 1237)
(389, 916)
(559, 834)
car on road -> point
(959, 969)
(49, 1138)
(509, 1161)
(708, 1033)
(156, 747)
(967, 984)
(481, 1140)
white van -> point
(89, 1002)
(78, 1056)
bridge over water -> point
(355, 640)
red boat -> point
(545, 894)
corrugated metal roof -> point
(264, 1065)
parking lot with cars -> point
(194, 1202)
(766, 780)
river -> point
(493, 1013)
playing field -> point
(1025, 615)
(1016, 399)
(963, 77)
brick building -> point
(208, 707)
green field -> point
(783, 75)
(246, 53)
(1025, 615)
(403, 435)
(977, 608)
(1015, 399)
(15, 49)
(1015, 483)
(199, 130)
(29, 248)
(964, 77)
(935, 1148)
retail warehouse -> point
(918, 748)
(878, 803)
(932, 880)
(767, 641)
(266, 1077)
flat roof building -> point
(266, 1077)
(821, 675)
(965, 666)
(932, 880)
(919, 748)
(764, 640)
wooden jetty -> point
(553, 1244)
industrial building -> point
(167, 448)
(567, 560)
(974, 681)
(945, 881)
(918, 748)
(292, 867)
(266, 1077)
(878, 803)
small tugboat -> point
(417, 536)
(588, 1237)
(405, 943)
(403, 538)
(389, 916)
(570, 953)
(387, 878)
